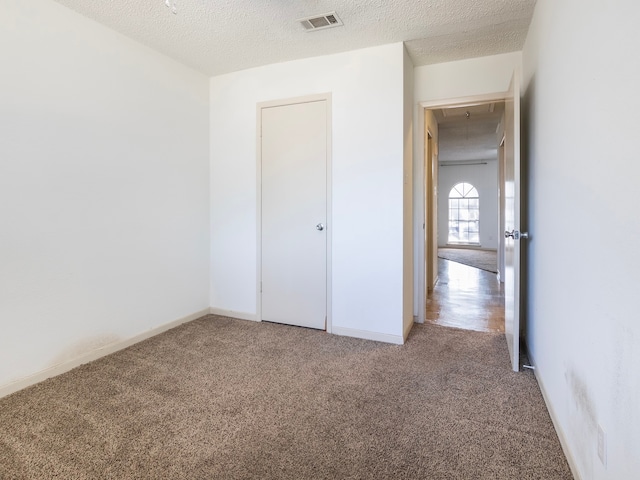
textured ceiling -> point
(221, 36)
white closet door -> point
(294, 214)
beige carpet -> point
(227, 399)
(482, 259)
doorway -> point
(467, 292)
(294, 217)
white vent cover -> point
(320, 22)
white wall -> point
(475, 76)
(443, 81)
(485, 179)
(581, 78)
(103, 188)
(367, 177)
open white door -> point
(512, 221)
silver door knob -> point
(320, 227)
(516, 235)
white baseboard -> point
(556, 424)
(233, 314)
(368, 335)
(94, 355)
(346, 332)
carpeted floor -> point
(482, 259)
(228, 399)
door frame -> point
(420, 265)
(328, 227)
(502, 161)
(430, 209)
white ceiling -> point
(471, 138)
(221, 36)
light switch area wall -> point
(103, 188)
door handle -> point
(515, 234)
(320, 227)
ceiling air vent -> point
(320, 22)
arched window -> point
(464, 214)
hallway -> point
(466, 297)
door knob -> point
(515, 234)
(320, 227)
